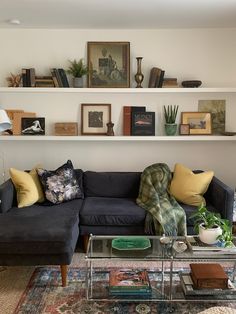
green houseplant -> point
(211, 227)
(78, 69)
(170, 114)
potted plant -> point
(212, 228)
(78, 69)
(170, 113)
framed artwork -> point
(217, 109)
(199, 122)
(143, 123)
(94, 118)
(33, 126)
(108, 64)
(184, 129)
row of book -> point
(137, 121)
(127, 282)
(57, 78)
(157, 80)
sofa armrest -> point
(221, 197)
(7, 196)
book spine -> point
(28, 80)
(32, 77)
(63, 77)
(127, 120)
(58, 77)
(55, 81)
(133, 110)
(161, 79)
(24, 80)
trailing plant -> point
(211, 220)
(170, 113)
(77, 68)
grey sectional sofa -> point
(45, 234)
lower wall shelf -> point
(188, 138)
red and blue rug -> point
(44, 295)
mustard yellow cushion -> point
(28, 188)
(188, 187)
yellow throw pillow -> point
(28, 188)
(188, 187)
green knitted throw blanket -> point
(163, 211)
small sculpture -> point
(14, 80)
(110, 131)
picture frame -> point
(108, 64)
(143, 123)
(199, 122)
(94, 118)
(33, 126)
(184, 129)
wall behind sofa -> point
(206, 54)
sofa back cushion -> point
(111, 184)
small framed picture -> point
(184, 129)
(108, 64)
(33, 126)
(94, 118)
(199, 122)
(143, 123)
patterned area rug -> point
(44, 295)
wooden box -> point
(208, 276)
(66, 128)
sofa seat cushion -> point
(108, 211)
(40, 229)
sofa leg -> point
(85, 242)
(64, 275)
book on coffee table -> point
(196, 245)
(129, 281)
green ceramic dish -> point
(131, 243)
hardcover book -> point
(127, 117)
(129, 280)
(143, 123)
(154, 78)
(196, 245)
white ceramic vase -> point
(209, 236)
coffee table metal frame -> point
(162, 254)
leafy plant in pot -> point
(212, 228)
(78, 69)
(170, 113)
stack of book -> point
(156, 78)
(199, 247)
(129, 282)
(57, 79)
(137, 121)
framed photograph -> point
(217, 109)
(109, 64)
(143, 123)
(199, 122)
(94, 118)
(33, 126)
(184, 129)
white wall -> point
(208, 55)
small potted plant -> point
(78, 69)
(170, 113)
(212, 228)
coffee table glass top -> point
(146, 248)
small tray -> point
(131, 243)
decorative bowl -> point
(192, 83)
(131, 243)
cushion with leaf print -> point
(61, 184)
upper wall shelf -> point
(118, 90)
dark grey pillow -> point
(61, 184)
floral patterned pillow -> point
(61, 184)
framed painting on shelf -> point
(94, 118)
(109, 64)
(199, 122)
(33, 126)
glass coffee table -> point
(164, 263)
